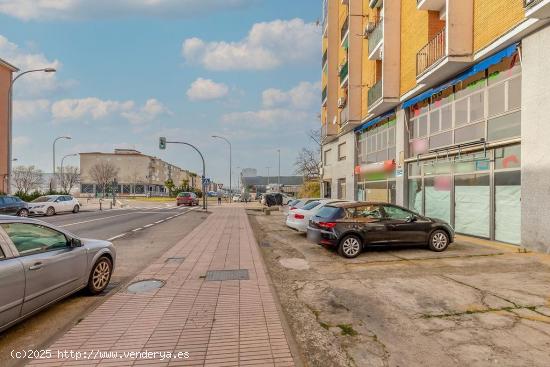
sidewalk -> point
(219, 323)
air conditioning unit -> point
(369, 28)
(341, 102)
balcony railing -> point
(343, 72)
(344, 115)
(324, 94)
(325, 55)
(432, 52)
(375, 93)
(530, 3)
(376, 35)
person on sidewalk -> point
(219, 200)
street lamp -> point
(10, 117)
(238, 179)
(267, 184)
(63, 159)
(279, 177)
(228, 142)
(55, 141)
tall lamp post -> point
(61, 169)
(10, 116)
(267, 184)
(230, 163)
(53, 145)
(279, 176)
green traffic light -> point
(162, 143)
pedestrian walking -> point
(219, 200)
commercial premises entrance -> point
(478, 193)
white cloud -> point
(21, 141)
(267, 118)
(30, 109)
(94, 108)
(89, 9)
(305, 95)
(97, 109)
(267, 46)
(34, 83)
(148, 113)
(206, 89)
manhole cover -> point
(217, 275)
(145, 286)
(177, 260)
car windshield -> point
(329, 212)
(299, 205)
(311, 205)
(44, 199)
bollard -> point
(110, 205)
(100, 206)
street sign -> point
(162, 143)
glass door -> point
(438, 197)
(472, 204)
(508, 206)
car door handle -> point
(36, 266)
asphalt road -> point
(140, 235)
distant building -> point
(6, 71)
(260, 184)
(138, 174)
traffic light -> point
(162, 143)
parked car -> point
(12, 205)
(300, 203)
(237, 198)
(298, 219)
(41, 264)
(53, 204)
(187, 198)
(353, 226)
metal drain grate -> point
(221, 275)
(177, 260)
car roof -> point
(10, 219)
(354, 204)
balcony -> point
(324, 96)
(539, 9)
(344, 115)
(324, 60)
(430, 4)
(376, 38)
(344, 30)
(431, 53)
(374, 94)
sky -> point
(130, 71)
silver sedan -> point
(41, 264)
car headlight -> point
(37, 206)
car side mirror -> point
(411, 218)
(75, 242)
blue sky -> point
(185, 69)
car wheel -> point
(23, 213)
(100, 275)
(439, 240)
(50, 211)
(350, 246)
(76, 209)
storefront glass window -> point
(415, 195)
(508, 206)
(377, 191)
(508, 157)
(438, 197)
(472, 204)
(505, 126)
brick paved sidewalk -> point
(220, 323)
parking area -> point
(476, 304)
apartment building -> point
(137, 174)
(452, 113)
(6, 71)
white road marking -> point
(159, 221)
(115, 237)
(137, 229)
(148, 225)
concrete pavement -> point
(214, 322)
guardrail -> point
(375, 93)
(432, 52)
(376, 35)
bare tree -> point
(103, 173)
(308, 162)
(27, 178)
(69, 178)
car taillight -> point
(298, 216)
(327, 225)
(292, 208)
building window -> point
(87, 188)
(326, 158)
(342, 151)
(341, 188)
(380, 143)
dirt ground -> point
(476, 304)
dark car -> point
(12, 205)
(353, 226)
(187, 198)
